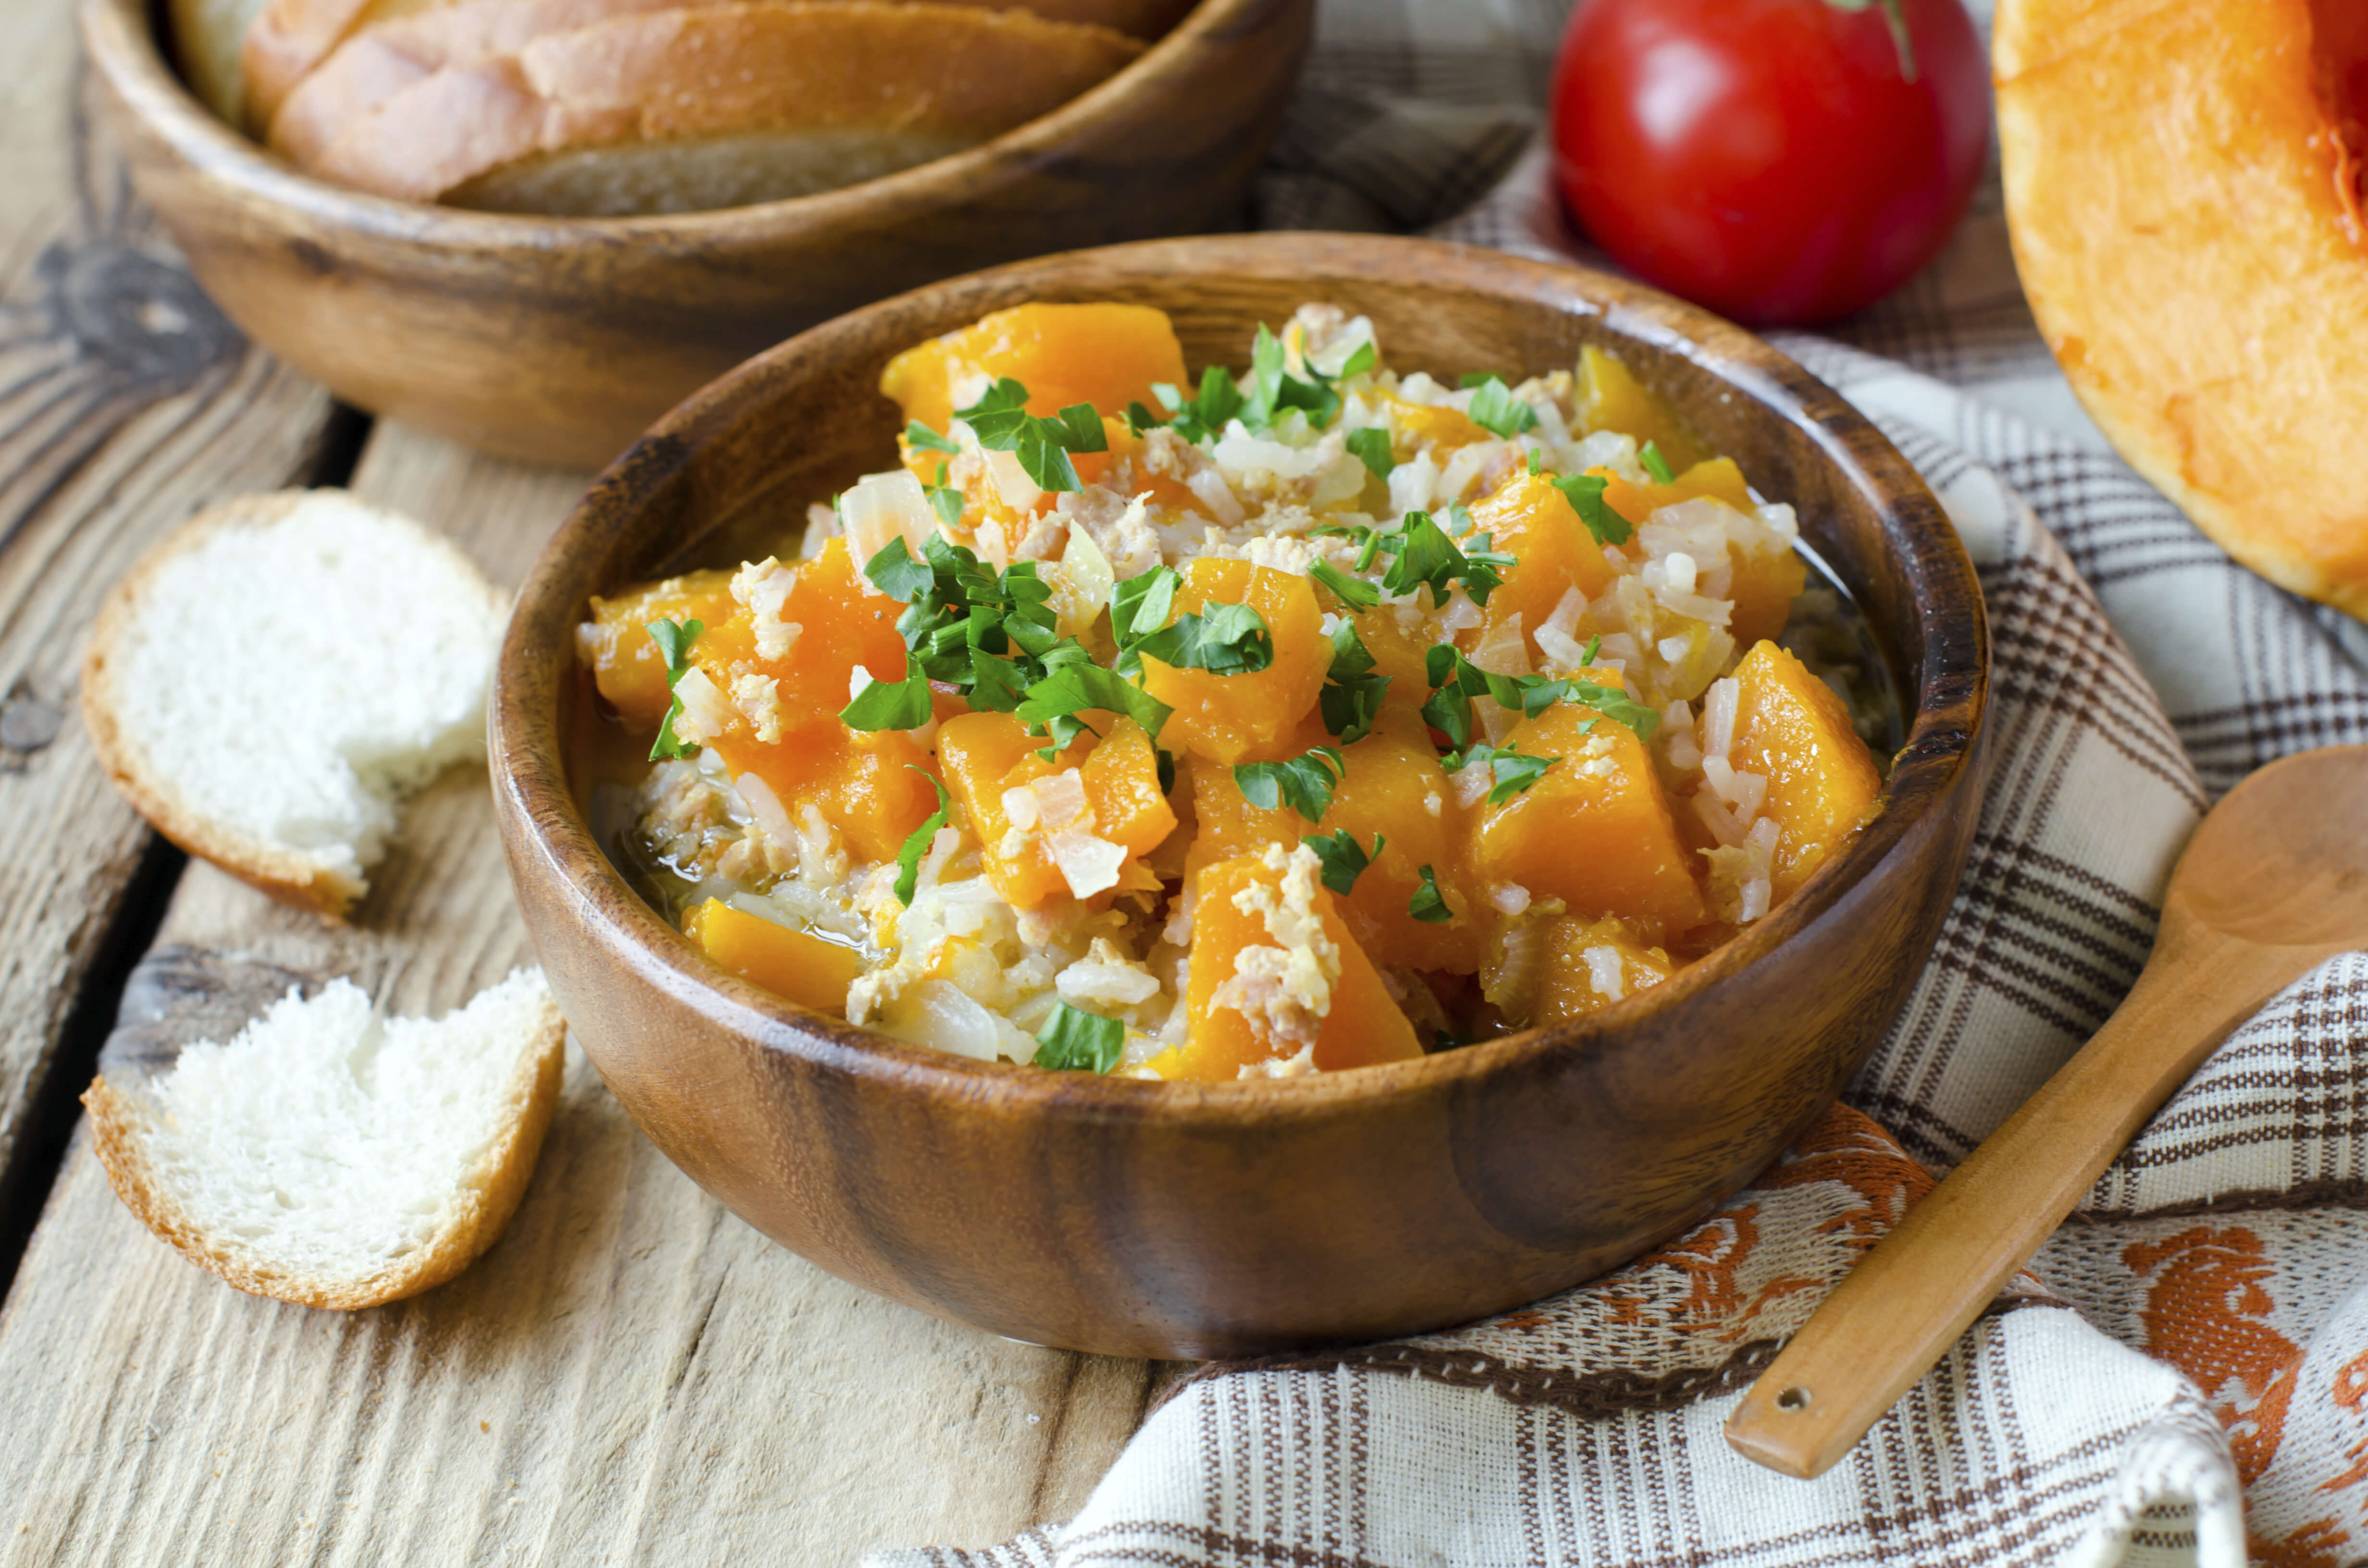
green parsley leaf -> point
(1304, 783)
(1225, 640)
(891, 704)
(1351, 699)
(1371, 448)
(945, 500)
(1496, 409)
(1585, 493)
(1654, 463)
(1615, 705)
(1140, 605)
(673, 646)
(1266, 378)
(1359, 361)
(1428, 905)
(1220, 401)
(1084, 426)
(916, 843)
(894, 573)
(1075, 685)
(919, 434)
(1537, 461)
(999, 414)
(1426, 558)
(1139, 418)
(1349, 654)
(1354, 592)
(1073, 1040)
(1515, 770)
(1001, 422)
(1343, 858)
(1594, 646)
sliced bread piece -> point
(208, 36)
(380, 59)
(781, 98)
(331, 1158)
(288, 38)
(273, 674)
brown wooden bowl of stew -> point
(1202, 1219)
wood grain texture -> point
(2274, 882)
(126, 401)
(1233, 1219)
(629, 1375)
(563, 338)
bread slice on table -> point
(331, 1158)
(274, 673)
(378, 61)
(719, 106)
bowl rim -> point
(122, 39)
(1939, 753)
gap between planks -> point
(630, 1375)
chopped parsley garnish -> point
(891, 704)
(919, 434)
(1428, 905)
(1371, 448)
(1226, 640)
(1456, 681)
(894, 573)
(1351, 699)
(1354, 592)
(1364, 360)
(1304, 782)
(1272, 389)
(1594, 646)
(1343, 858)
(1073, 1040)
(1077, 685)
(916, 843)
(945, 500)
(1585, 493)
(672, 642)
(1001, 422)
(1425, 557)
(1200, 418)
(1515, 770)
(1496, 410)
(1656, 464)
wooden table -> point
(631, 1374)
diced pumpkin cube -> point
(842, 623)
(1390, 787)
(1421, 425)
(1229, 717)
(1595, 830)
(1792, 729)
(1766, 583)
(798, 965)
(1552, 553)
(873, 787)
(1586, 965)
(1274, 970)
(1106, 355)
(1612, 398)
(987, 755)
(626, 665)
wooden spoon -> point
(2274, 881)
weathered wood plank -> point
(126, 401)
(630, 1375)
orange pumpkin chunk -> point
(1229, 717)
(1612, 398)
(986, 756)
(1589, 964)
(626, 665)
(1442, 430)
(1792, 729)
(1552, 553)
(1595, 830)
(1389, 787)
(1106, 355)
(797, 965)
(1275, 971)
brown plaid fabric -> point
(2182, 1375)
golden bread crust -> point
(2174, 188)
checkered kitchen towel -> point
(2184, 1376)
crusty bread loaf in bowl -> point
(559, 339)
(1189, 1219)
(2183, 184)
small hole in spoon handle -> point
(1795, 1398)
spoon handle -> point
(1908, 1299)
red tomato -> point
(1770, 158)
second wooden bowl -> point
(1147, 1219)
(559, 340)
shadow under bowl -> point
(559, 340)
(1200, 1221)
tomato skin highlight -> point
(1768, 158)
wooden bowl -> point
(1186, 1219)
(560, 340)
